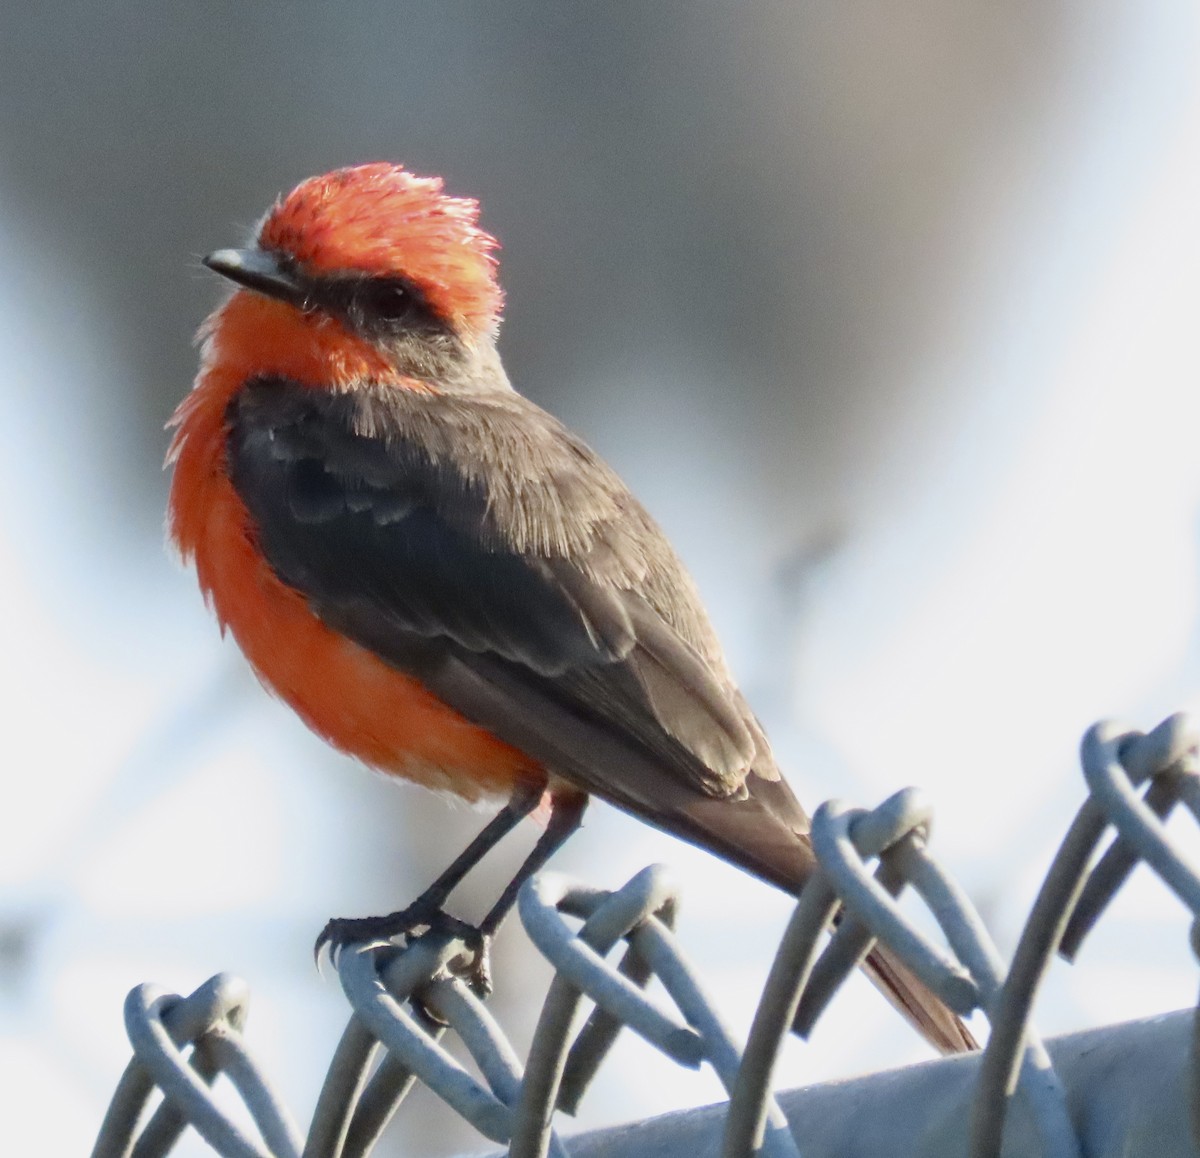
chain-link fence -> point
(405, 1000)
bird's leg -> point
(566, 815)
(427, 908)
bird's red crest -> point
(381, 219)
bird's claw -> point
(474, 965)
(477, 971)
(342, 931)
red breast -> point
(343, 692)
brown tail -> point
(766, 834)
(926, 1012)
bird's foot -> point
(477, 971)
(342, 931)
(474, 966)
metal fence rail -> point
(1127, 1090)
(387, 1047)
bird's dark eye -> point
(381, 307)
(386, 300)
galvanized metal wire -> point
(1115, 759)
(404, 999)
(160, 1026)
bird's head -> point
(397, 266)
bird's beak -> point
(259, 271)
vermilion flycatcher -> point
(439, 577)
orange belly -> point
(343, 692)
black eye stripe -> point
(376, 305)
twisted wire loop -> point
(967, 976)
(1072, 898)
(404, 999)
(355, 1104)
(160, 1026)
(642, 912)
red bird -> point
(439, 577)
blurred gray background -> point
(886, 310)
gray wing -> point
(472, 541)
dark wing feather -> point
(470, 528)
